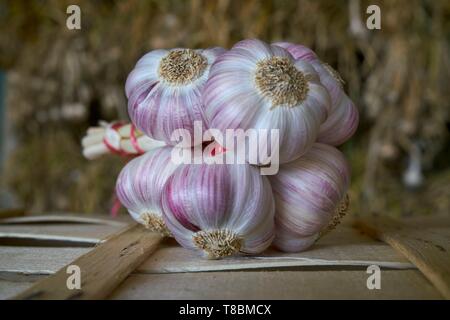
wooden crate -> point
(120, 260)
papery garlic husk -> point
(307, 193)
(164, 92)
(341, 124)
(258, 86)
(298, 51)
(343, 115)
(219, 209)
(140, 184)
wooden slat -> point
(343, 247)
(102, 269)
(333, 284)
(427, 248)
(89, 233)
(37, 260)
(53, 219)
(10, 288)
(395, 284)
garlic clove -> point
(331, 80)
(340, 125)
(343, 117)
(298, 51)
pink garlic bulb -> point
(219, 209)
(164, 91)
(307, 193)
(140, 184)
(343, 116)
(258, 86)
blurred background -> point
(55, 83)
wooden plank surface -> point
(66, 218)
(37, 260)
(89, 233)
(342, 247)
(330, 284)
(428, 248)
(9, 289)
(102, 268)
(395, 284)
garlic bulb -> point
(219, 209)
(307, 193)
(343, 116)
(259, 86)
(140, 184)
(164, 91)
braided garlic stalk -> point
(116, 138)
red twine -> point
(114, 126)
(134, 140)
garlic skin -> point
(341, 124)
(164, 91)
(298, 51)
(140, 184)
(259, 86)
(219, 209)
(343, 117)
(307, 192)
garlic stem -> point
(92, 139)
(94, 142)
(95, 151)
(95, 130)
(125, 130)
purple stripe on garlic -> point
(307, 192)
(220, 210)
